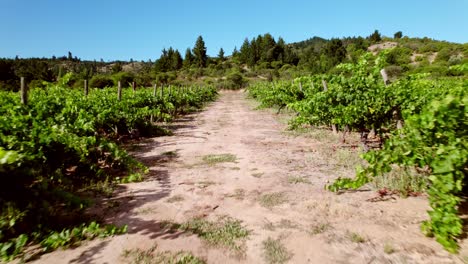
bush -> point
(125, 78)
(37, 84)
(101, 81)
(394, 71)
(235, 80)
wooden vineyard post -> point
(300, 87)
(162, 91)
(385, 77)
(325, 88)
(134, 87)
(386, 80)
(24, 92)
(154, 90)
(86, 88)
(119, 91)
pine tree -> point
(176, 60)
(221, 55)
(375, 37)
(199, 52)
(245, 51)
(398, 35)
(188, 59)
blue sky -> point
(140, 29)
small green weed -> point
(355, 237)
(13, 248)
(388, 249)
(219, 158)
(275, 251)
(134, 177)
(138, 256)
(403, 180)
(225, 232)
(69, 237)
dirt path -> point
(275, 187)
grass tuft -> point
(319, 228)
(388, 249)
(275, 252)
(219, 158)
(150, 256)
(271, 200)
(225, 232)
(355, 237)
(297, 180)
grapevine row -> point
(433, 140)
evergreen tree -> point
(188, 58)
(221, 55)
(162, 64)
(245, 51)
(235, 52)
(176, 60)
(375, 37)
(398, 35)
(170, 60)
(199, 52)
(268, 43)
(255, 51)
(333, 53)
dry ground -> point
(273, 181)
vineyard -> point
(58, 147)
(61, 148)
(421, 126)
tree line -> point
(260, 56)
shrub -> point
(125, 78)
(101, 81)
(235, 81)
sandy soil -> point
(314, 225)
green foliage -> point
(433, 142)
(235, 80)
(275, 252)
(199, 51)
(221, 57)
(170, 60)
(62, 142)
(375, 37)
(12, 248)
(125, 78)
(398, 35)
(225, 232)
(70, 237)
(138, 256)
(101, 81)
